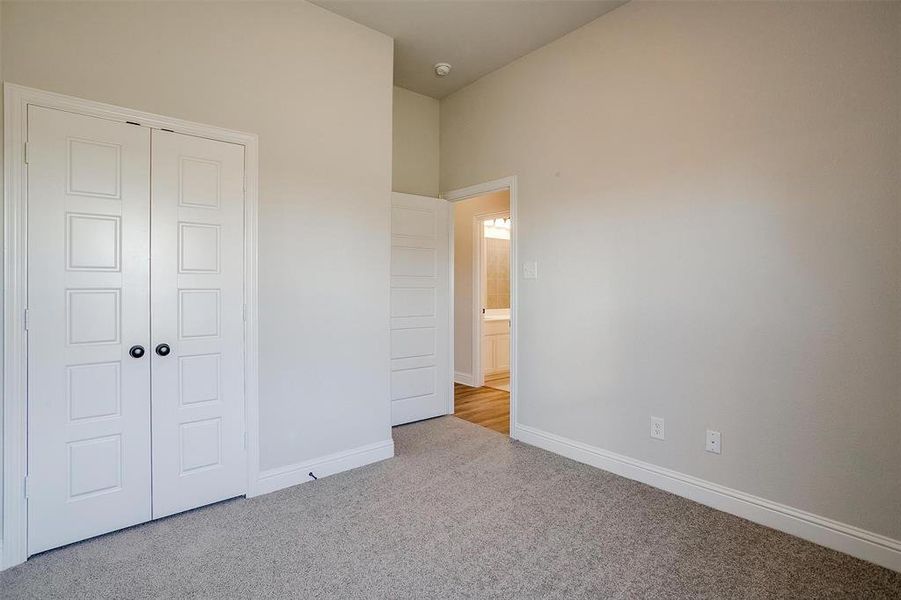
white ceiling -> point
(475, 36)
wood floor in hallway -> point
(485, 406)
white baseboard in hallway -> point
(866, 545)
(272, 480)
(464, 378)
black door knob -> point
(136, 351)
(163, 349)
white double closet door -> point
(135, 325)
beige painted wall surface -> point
(2, 265)
(497, 273)
(415, 143)
(318, 90)
(711, 191)
(464, 213)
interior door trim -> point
(13, 549)
(480, 189)
(478, 290)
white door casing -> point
(197, 312)
(482, 349)
(420, 308)
(88, 304)
(473, 191)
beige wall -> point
(415, 143)
(2, 264)
(497, 273)
(318, 90)
(464, 213)
(711, 191)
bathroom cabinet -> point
(495, 346)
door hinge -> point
(244, 312)
(27, 486)
(26, 319)
(25, 152)
(245, 440)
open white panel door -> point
(88, 327)
(420, 308)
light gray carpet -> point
(461, 512)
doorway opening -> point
(484, 300)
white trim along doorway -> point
(479, 291)
(497, 185)
(18, 99)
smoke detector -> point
(442, 69)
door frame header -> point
(17, 99)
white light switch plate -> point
(530, 269)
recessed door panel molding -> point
(412, 342)
(198, 313)
(92, 242)
(201, 445)
(413, 222)
(197, 253)
(199, 378)
(199, 182)
(95, 467)
(420, 308)
(198, 248)
(413, 302)
(94, 391)
(93, 316)
(413, 261)
(94, 168)
(410, 383)
(88, 399)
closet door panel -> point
(197, 314)
(88, 305)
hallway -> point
(485, 406)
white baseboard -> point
(464, 378)
(845, 538)
(279, 478)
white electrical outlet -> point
(657, 431)
(714, 442)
